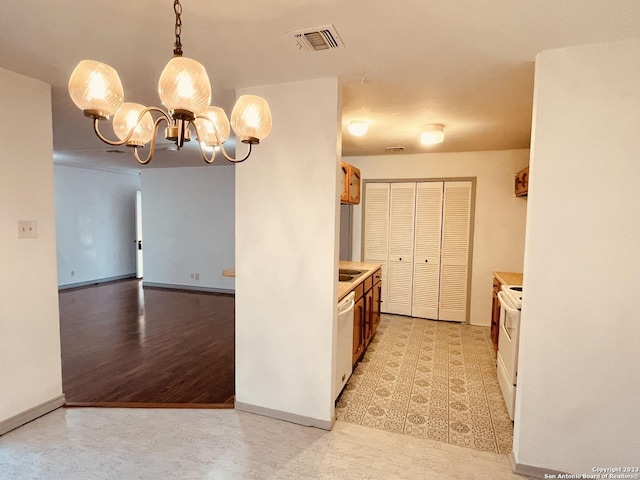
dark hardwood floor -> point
(123, 345)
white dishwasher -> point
(344, 354)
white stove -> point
(510, 298)
(514, 292)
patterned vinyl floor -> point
(430, 379)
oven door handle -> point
(506, 304)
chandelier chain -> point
(177, 8)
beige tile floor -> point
(147, 444)
(432, 380)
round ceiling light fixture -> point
(432, 134)
(358, 128)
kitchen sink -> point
(347, 275)
(346, 271)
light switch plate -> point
(27, 229)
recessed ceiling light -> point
(432, 134)
(358, 128)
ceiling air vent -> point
(318, 39)
(394, 149)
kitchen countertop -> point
(508, 278)
(367, 269)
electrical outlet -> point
(27, 229)
(197, 276)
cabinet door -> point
(354, 185)
(401, 232)
(376, 229)
(344, 182)
(368, 324)
(426, 267)
(358, 329)
(522, 182)
(456, 227)
(375, 312)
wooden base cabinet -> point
(366, 315)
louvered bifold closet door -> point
(376, 230)
(401, 232)
(456, 221)
(426, 266)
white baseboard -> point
(31, 414)
(96, 281)
(530, 471)
(170, 286)
(287, 417)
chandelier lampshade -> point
(96, 89)
(251, 118)
(184, 86)
(215, 128)
(127, 118)
(185, 92)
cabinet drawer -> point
(377, 276)
(368, 283)
(359, 291)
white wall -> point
(578, 400)
(499, 226)
(287, 255)
(30, 372)
(95, 223)
(188, 217)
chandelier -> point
(184, 90)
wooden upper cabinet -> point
(522, 182)
(350, 180)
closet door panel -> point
(426, 280)
(401, 221)
(376, 230)
(453, 293)
(426, 269)
(401, 233)
(400, 288)
(456, 224)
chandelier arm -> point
(204, 155)
(202, 152)
(96, 129)
(164, 116)
(152, 145)
(220, 144)
(231, 159)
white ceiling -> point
(468, 64)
